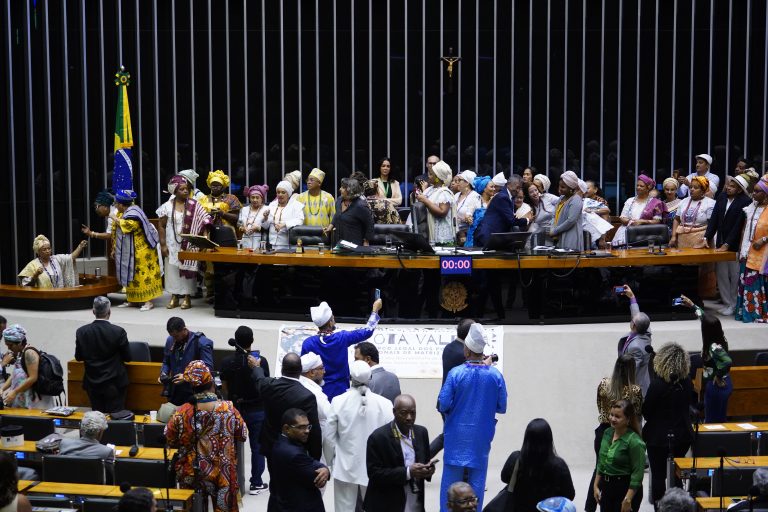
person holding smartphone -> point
(397, 459)
(240, 387)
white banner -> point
(409, 352)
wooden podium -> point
(143, 390)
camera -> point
(495, 358)
(167, 382)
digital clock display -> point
(455, 265)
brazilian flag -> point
(122, 177)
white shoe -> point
(726, 311)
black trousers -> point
(613, 489)
(107, 398)
(657, 460)
(591, 504)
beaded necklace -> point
(206, 397)
(173, 222)
(689, 218)
(53, 277)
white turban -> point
(294, 178)
(469, 177)
(443, 172)
(544, 180)
(190, 175)
(360, 372)
(476, 339)
(310, 361)
(286, 186)
(570, 179)
(321, 314)
(583, 186)
(499, 180)
(705, 157)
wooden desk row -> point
(750, 390)
(686, 463)
(178, 496)
(121, 452)
(311, 258)
(760, 426)
(144, 392)
(713, 502)
(71, 421)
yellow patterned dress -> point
(319, 209)
(147, 283)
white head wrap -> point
(321, 314)
(570, 179)
(360, 372)
(443, 172)
(286, 186)
(705, 157)
(499, 180)
(476, 339)
(469, 177)
(190, 175)
(544, 180)
(310, 361)
(294, 178)
(583, 186)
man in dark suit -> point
(104, 348)
(724, 229)
(397, 458)
(295, 477)
(383, 382)
(500, 215)
(281, 394)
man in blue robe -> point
(472, 395)
(332, 346)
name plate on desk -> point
(455, 265)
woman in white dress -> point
(50, 270)
(252, 218)
(180, 215)
(467, 201)
(282, 215)
(441, 205)
(640, 209)
(693, 214)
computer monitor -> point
(736, 481)
(413, 242)
(74, 469)
(100, 505)
(735, 444)
(507, 242)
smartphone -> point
(433, 462)
(255, 353)
(618, 290)
(677, 302)
(376, 294)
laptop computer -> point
(413, 242)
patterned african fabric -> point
(318, 210)
(216, 432)
(752, 301)
(383, 212)
(141, 277)
(225, 202)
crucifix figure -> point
(450, 59)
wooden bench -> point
(143, 391)
(750, 390)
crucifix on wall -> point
(450, 60)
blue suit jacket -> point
(499, 218)
(292, 472)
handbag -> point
(504, 502)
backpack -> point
(50, 374)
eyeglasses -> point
(466, 501)
(306, 427)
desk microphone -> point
(125, 487)
(133, 451)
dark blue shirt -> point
(177, 356)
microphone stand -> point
(670, 460)
(721, 453)
(692, 478)
(197, 497)
(168, 507)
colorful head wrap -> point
(647, 180)
(544, 180)
(175, 181)
(480, 183)
(294, 178)
(370, 187)
(218, 176)
(443, 172)
(762, 185)
(125, 196)
(190, 175)
(15, 334)
(703, 181)
(104, 198)
(38, 242)
(670, 181)
(317, 173)
(197, 374)
(570, 179)
(286, 187)
(259, 189)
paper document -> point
(715, 427)
(746, 426)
